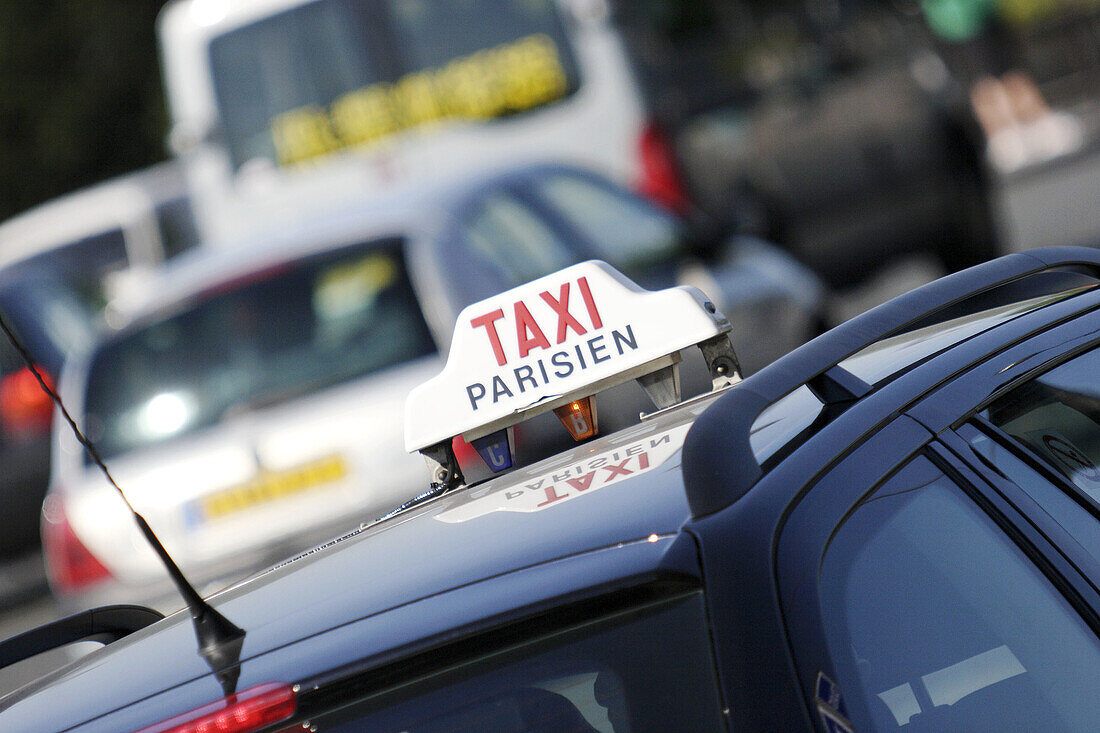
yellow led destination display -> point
(509, 78)
(269, 486)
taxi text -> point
(583, 477)
(543, 370)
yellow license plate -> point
(268, 486)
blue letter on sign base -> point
(495, 450)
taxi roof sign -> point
(540, 345)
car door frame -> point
(804, 538)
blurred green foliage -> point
(80, 95)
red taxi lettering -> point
(619, 470)
(579, 479)
(589, 303)
(551, 496)
(583, 483)
(589, 480)
(543, 370)
(528, 333)
(488, 322)
(565, 318)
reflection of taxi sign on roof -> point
(550, 345)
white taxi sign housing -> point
(566, 335)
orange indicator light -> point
(578, 417)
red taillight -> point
(25, 408)
(71, 566)
(254, 708)
(659, 179)
(465, 453)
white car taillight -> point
(26, 410)
(70, 565)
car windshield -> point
(269, 337)
(332, 74)
(632, 234)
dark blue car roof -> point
(621, 494)
(719, 464)
(546, 532)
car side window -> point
(935, 620)
(508, 235)
(627, 231)
(1061, 505)
(1056, 416)
(1044, 436)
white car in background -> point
(58, 262)
(249, 409)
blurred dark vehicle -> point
(528, 223)
(25, 416)
(59, 264)
(1029, 71)
(823, 126)
(49, 320)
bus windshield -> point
(333, 74)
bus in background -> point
(288, 107)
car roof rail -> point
(105, 625)
(719, 465)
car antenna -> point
(220, 640)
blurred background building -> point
(80, 96)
